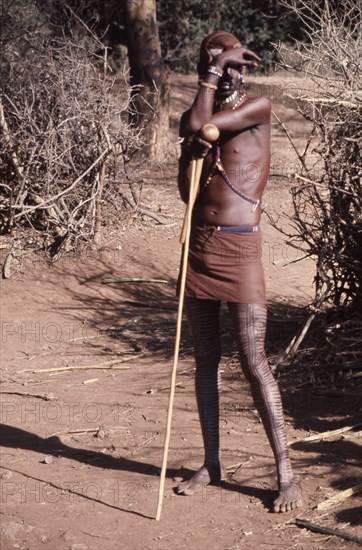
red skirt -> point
(225, 266)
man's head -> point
(213, 45)
(219, 40)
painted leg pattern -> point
(203, 317)
(250, 325)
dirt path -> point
(81, 456)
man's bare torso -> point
(245, 157)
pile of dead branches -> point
(330, 359)
(66, 143)
(327, 193)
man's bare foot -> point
(289, 498)
(204, 476)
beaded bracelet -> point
(208, 85)
(214, 70)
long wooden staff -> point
(210, 133)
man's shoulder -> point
(259, 108)
(260, 102)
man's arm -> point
(201, 110)
(254, 112)
(184, 175)
(192, 146)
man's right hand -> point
(236, 58)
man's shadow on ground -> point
(17, 438)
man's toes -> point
(180, 488)
(280, 505)
(285, 506)
(186, 488)
(276, 507)
(187, 491)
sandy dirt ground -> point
(81, 454)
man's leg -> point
(203, 317)
(250, 324)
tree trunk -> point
(151, 97)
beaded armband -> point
(214, 70)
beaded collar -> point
(231, 97)
(239, 101)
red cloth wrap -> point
(225, 266)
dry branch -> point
(80, 367)
(66, 147)
(135, 280)
(46, 397)
(340, 497)
(52, 200)
(113, 364)
(326, 530)
(295, 343)
(325, 435)
(327, 196)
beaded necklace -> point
(239, 101)
(231, 97)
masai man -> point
(225, 250)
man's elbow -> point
(183, 190)
(194, 124)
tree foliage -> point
(66, 142)
(183, 24)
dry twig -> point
(325, 435)
(67, 145)
(135, 280)
(340, 497)
(326, 530)
(46, 397)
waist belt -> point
(199, 223)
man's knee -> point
(256, 368)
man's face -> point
(230, 80)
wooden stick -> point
(186, 236)
(44, 396)
(91, 381)
(326, 530)
(134, 280)
(329, 433)
(195, 177)
(210, 133)
(80, 367)
(152, 306)
(106, 365)
(339, 497)
(295, 342)
(328, 100)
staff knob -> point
(210, 132)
